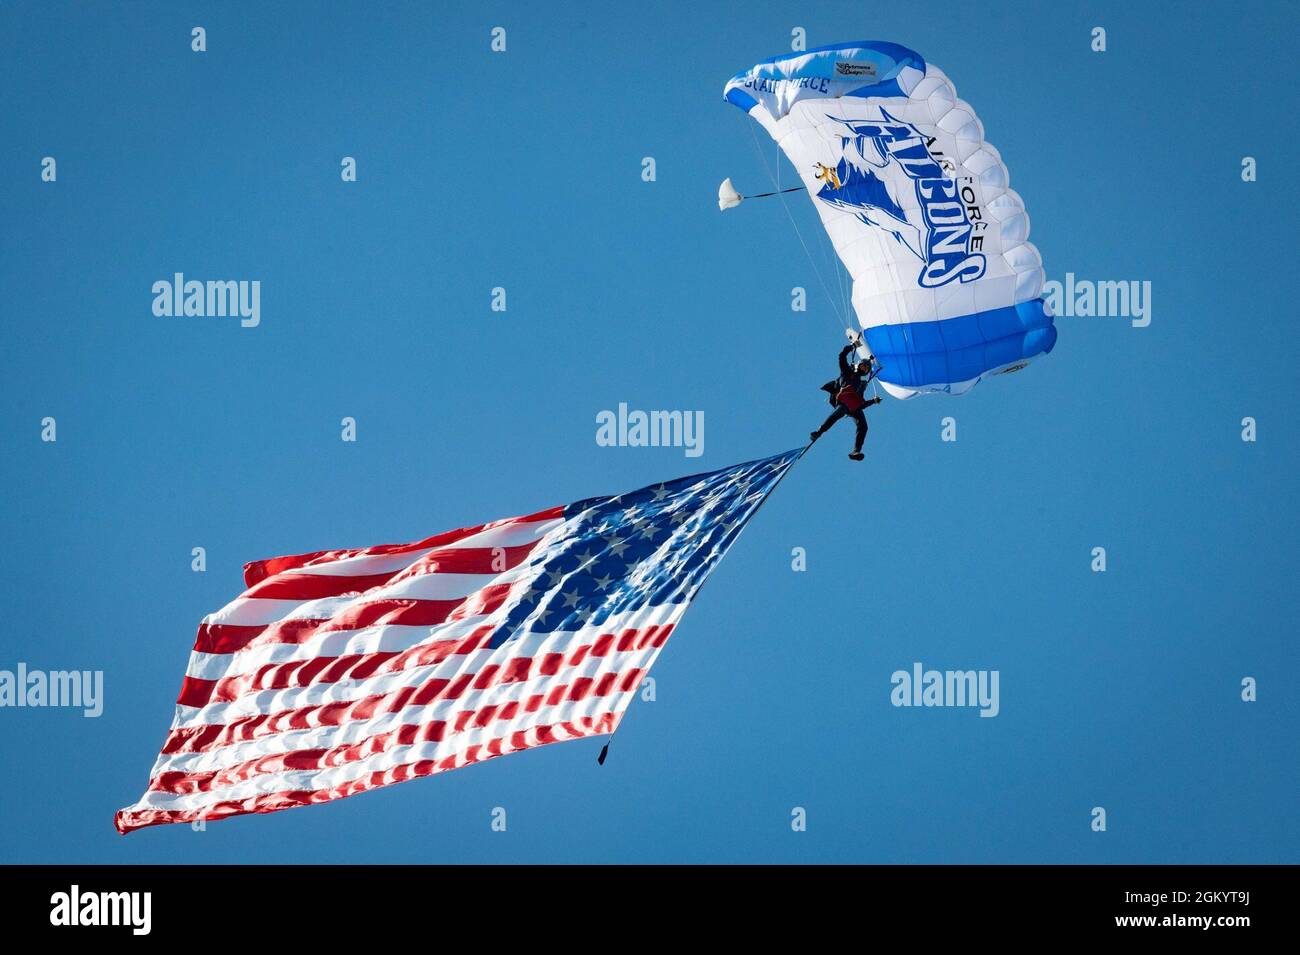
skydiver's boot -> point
(861, 420)
(813, 436)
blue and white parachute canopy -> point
(946, 286)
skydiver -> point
(846, 395)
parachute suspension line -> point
(831, 259)
(842, 273)
(776, 185)
(846, 284)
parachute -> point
(946, 285)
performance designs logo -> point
(939, 231)
(855, 68)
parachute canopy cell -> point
(946, 285)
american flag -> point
(340, 671)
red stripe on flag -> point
(202, 738)
(318, 758)
(406, 611)
(198, 692)
(314, 586)
(258, 570)
(449, 560)
(231, 638)
(129, 820)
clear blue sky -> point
(522, 170)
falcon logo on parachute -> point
(831, 177)
(938, 230)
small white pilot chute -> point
(728, 197)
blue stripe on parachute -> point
(953, 350)
(738, 97)
(890, 58)
(901, 55)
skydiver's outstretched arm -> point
(844, 360)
